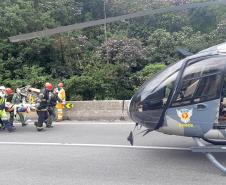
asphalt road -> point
(59, 156)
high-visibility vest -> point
(60, 106)
(2, 101)
(62, 95)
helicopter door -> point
(195, 106)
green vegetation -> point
(91, 66)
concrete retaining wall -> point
(109, 110)
(98, 110)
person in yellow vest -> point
(60, 105)
(61, 93)
(3, 116)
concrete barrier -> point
(109, 110)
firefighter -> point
(9, 94)
(3, 116)
(61, 93)
(42, 106)
(9, 106)
(60, 105)
(53, 99)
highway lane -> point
(71, 164)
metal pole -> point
(105, 23)
(105, 29)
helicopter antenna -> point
(62, 29)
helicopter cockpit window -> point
(209, 88)
(158, 98)
(151, 84)
(201, 81)
(187, 91)
(148, 103)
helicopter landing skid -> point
(202, 148)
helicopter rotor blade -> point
(62, 29)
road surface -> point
(97, 153)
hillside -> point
(91, 65)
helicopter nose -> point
(145, 112)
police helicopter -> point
(186, 99)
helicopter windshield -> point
(148, 103)
(151, 84)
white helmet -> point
(2, 87)
(2, 94)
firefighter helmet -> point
(49, 86)
(9, 91)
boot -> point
(9, 126)
(12, 129)
(36, 123)
(39, 129)
(49, 126)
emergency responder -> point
(42, 106)
(53, 99)
(3, 116)
(9, 106)
(61, 93)
(60, 105)
(9, 94)
(16, 100)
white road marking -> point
(94, 123)
(84, 123)
(11, 171)
(97, 145)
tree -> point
(161, 47)
(90, 66)
(148, 72)
(125, 52)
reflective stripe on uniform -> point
(42, 110)
(39, 127)
(62, 95)
(3, 115)
(2, 101)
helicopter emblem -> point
(184, 114)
